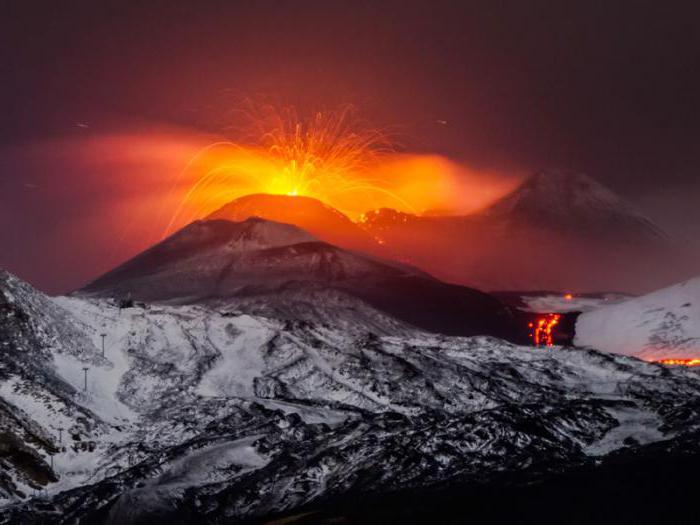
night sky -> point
(608, 88)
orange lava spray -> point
(327, 155)
(542, 330)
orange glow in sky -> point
(330, 156)
(118, 193)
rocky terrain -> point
(208, 413)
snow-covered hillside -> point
(661, 325)
(217, 258)
(219, 414)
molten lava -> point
(542, 330)
(326, 155)
(331, 156)
(680, 362)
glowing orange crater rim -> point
(327, 155)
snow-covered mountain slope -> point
(558, 231)
(202, 414)
(277, 267)
(661, 325)
(37, 399)
(218, 258)
(206, 256)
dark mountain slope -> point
(558, 231)
(266, 262)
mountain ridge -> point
(546, 234)
(201, 264)
(571, 199)
(224, 408)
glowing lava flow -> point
(681, 362)
(542, 329)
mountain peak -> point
(253, 233)
(567, 199)
(216, 258)
(556, 190)
(321, 220)
(244, 206)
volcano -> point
(573, 203)
(215, 258)
(268, 266)
(558, 231)
(323, 221)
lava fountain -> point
(327, 155)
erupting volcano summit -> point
(349, 262)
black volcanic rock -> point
(233, 417)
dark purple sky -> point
(610, 88)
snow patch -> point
(662, 324)
(635, 426)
